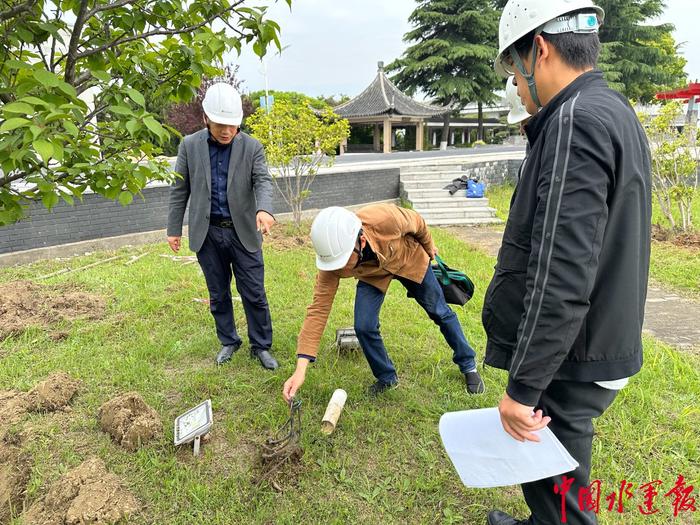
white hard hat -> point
(334, 236)
(517, 113)
(520, 17)
(222, 104)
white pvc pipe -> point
(333, 410)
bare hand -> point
(435, 252)
(264, 222)
(292, 385)
(519, 421)
(174, 242)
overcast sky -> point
(333, 46)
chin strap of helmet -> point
(530, 77)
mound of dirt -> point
(686, 240)
(287, 240)
(54, 393)
(15, 469)
(24, 304)
(13, 404)
(130, 421)
(86, 494)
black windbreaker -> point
(567, 298)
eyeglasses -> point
(507, 64)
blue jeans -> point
(368, 303)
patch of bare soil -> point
(24, 304)
(130, 421)
(54, 393)
(684, 240)
(15, 469)
(13, 405)
(279, 470)
(287, 239)
(86, 494)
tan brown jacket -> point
(402, 242)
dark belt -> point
(221, 222)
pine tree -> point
(454, 43)
(639, 58)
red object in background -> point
(693, 90)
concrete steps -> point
(462, 222)
(440, 202)
(422, 187)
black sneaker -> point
(379, 387)
(475, 385)
(496, 517)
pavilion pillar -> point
(387, 135)
(419, 135)
(377, 144)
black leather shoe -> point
(475, 385)
(496, 517)
(226, 353)
(267, 360)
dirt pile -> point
(130, 421)
(86, 494)
(54, 393)
(15, 469)
(24, 304)
(689, 240)
(285, 239)
(13, 405)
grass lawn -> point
(384, 463)
(676, 267)
(499, 198)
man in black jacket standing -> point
(564, 311)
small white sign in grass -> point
(193, 424)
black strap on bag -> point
(457, 286)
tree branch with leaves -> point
(73, 74)
(298, 142)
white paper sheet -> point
(486, 456)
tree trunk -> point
(480, 118)
(445, 132)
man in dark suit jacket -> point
(225, 178)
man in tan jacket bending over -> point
(380, 243)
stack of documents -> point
(486, 456)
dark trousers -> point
(572, 406)
(368, 303)
(222, 256)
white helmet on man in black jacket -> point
(522, 17)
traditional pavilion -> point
(383, 104)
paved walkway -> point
(437, 155)
(673, 319)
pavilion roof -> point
(382, 97)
